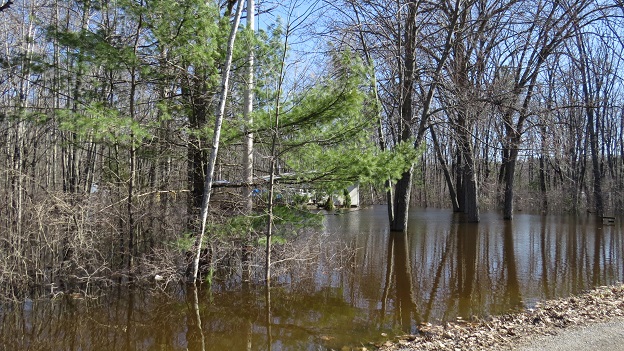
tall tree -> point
(248, 108)
(210, 168)
(547, 25)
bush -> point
(347, 198)
(329, 204)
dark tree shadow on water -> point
(512, 295)
(399, 276)
(467, 238)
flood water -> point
(368, 282)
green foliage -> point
(94, 48)
(276, 239)
(327, 113)
(295, 217)
(329, 203)
(269, 52)
(325, 132)
(300, 199)
(184, 243)
(35, 117)
(210, 276)
(287, 220)
(103, 124)
(335, 168)
(188, 30)
(347, 198)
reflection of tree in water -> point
(512, 295)
(467, 235)
(544, 254)
(445, 269)
(597, 275)
(577, 254)
(194, 333)
(467, 259)
(399, 274)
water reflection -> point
(366, 281)
(399, 277)
(194, 331)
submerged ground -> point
(355, 285)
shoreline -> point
(548, 319)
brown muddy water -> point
(368, 285)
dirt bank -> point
(594, 320)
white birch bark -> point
(225, 77)
(248, 108)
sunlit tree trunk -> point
(403, 187)
(210, 168)
(248, 160)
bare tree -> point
(6, 5)
(407, 41)
(547, 26)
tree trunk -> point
(510, 171)
(445, 170)
(132, 157)
(469, 176)
(248, 160)
(471, 193)
(216, 139)
(460, 187)
(590, 110)
(403, 187)
(542, 181)
(401, 201)
(269, 231)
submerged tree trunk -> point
(403, 186)
(403, 191)
(510, 171)
(471, 193)
(407, 126)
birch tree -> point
(210, 168)
(248, 160)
